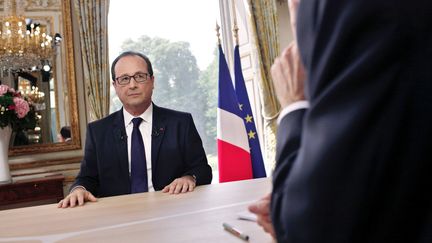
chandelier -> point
(23, 45)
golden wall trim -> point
(72, 86)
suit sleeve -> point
(88, 175)
(194, 155)
(288, 142)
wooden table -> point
(144, 217)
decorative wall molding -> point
(44, 163)
(38, 5)
(43, 4)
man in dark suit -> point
(176, 161)
(355, 166)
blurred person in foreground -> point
(353, 151)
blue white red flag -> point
(233, 147)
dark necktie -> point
(138, 160)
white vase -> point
(5, 134)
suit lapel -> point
(120, 141)
(158, 131)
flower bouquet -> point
(16, 111)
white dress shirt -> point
(302, 104)
(146, 131)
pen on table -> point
(235, 232)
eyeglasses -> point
(139, 78)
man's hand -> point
(181, 185)
(262, 210)
(287, 70)
(292, 7)
(78, 195)
(288, 76)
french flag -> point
(234, 158)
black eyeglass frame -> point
(136, 77)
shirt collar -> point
(147, 116)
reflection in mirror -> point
(51, 84)
(65, 134)
(34, 85)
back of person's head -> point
(131, 53)
(65, 132)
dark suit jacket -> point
(176, 151)
(356, 166)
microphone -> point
(155, 133)
(123, 135)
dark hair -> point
(131, 53)
(65, 132)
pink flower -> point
(3, 89)
(21, 107)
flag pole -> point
(235, 27)
(217, 32)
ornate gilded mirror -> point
(51, 85)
